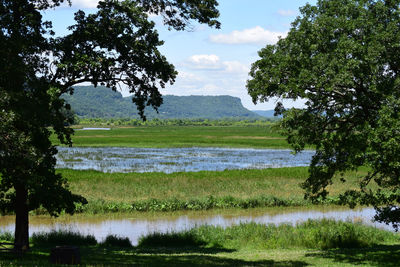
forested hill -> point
(90, 102)
(267, 113)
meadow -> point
(182, 136)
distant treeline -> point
(101, 102)
(174, 122)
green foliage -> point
(62, 238)
(176, 122)
(342, 57)
(312, 234)
(100, 102)
(6, 236)
(206, 203)
(183, 239)
(116, 44)
(116, 241)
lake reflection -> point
(168, 160)
(134, 228)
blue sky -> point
(210, 61)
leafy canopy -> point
(342, 57)
(115, 45)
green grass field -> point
(182, 136)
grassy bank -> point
(125, 192)
(313, 243)
(182, 136)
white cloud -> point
(215, 64)
(286, 13)
(211, 62)
(236, 67)
(256, 35)
(85, 3)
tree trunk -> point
(21, 242)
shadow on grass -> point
(9, 258)
(181, 250)
(100, 256)
(174, 257)
(380, 255)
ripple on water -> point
(122, 159)
(134, 228)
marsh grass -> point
(240, 245)
(207, 203)
(125, 192)
(6, 236)
(116, 241)
(183, 239)
(62, 237)
(312, 234)
(182, 136)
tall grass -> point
(62, 237)
(207, 203)
(116, 241)
(6, 236)
(314, 234)
(125, 192)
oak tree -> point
(115, 45)
(342, 57)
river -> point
(136, 225)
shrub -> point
(116, 241)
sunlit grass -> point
(206, 189)
(313, 234)
(182, 136)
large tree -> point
(117, 45)
(343, 58)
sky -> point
(213, 61)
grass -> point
(116, 241)
(125, 192)
(181, 136)
(241, 245)
(63, 238)
(312, 234)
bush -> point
(116, 241)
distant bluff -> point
(101, 102)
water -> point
(134, 228)
(168, 160)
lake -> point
(168, 160)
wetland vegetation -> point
(313, 242)
(265, 136)
(122, 192)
